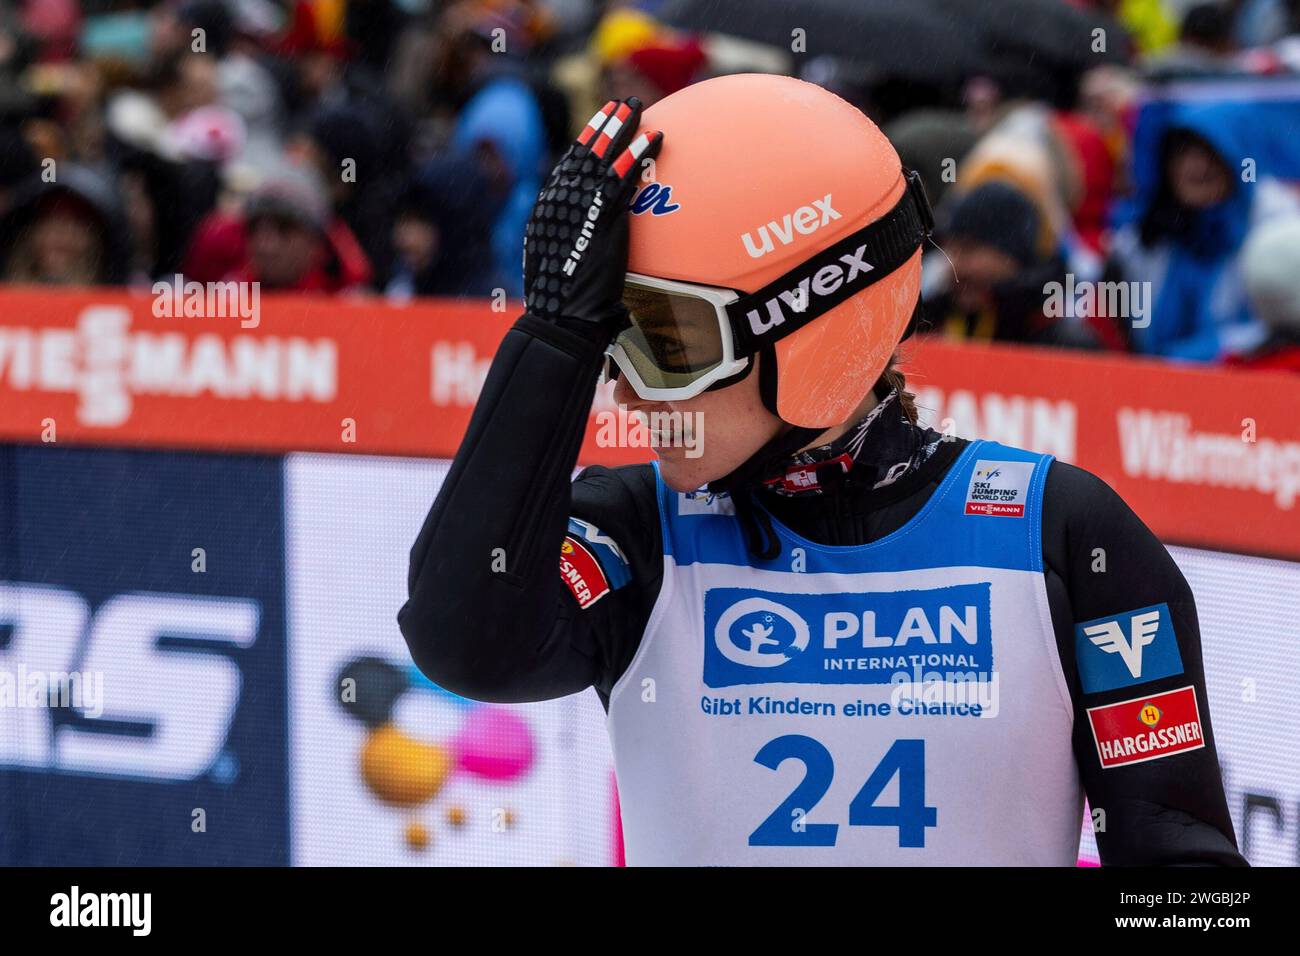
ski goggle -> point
(678, 342)
(683, 338)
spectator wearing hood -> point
(69, 232)
(1271, 271)
(341, 138)
(1183, 228)
(501, 128)
(286, 238)
(930, 141)
(999, 276)
(442, 233)
(1029, 149)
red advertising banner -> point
(1206, 457)
(307, 374)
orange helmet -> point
(792, 209)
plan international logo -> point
(758, 637)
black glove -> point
(575, 247)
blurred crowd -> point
(393, 148)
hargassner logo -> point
(1127, 649)
(825, 281)
(761, 637)
(805, 220)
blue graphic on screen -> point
(159, 576)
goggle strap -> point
(856, 262)
(731, 380)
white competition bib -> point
(895, 703)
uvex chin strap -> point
(835, 274)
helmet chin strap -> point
(786, 442)
(760, 537)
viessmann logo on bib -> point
(999, 488)
(757, 637)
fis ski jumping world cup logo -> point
(760, 637)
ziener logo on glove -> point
(584, 240)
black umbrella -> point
(898, 38)
(1052, 29)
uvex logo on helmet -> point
(799, 296)
(805, 220)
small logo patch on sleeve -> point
(1130, 648)
(582, 573)
(1147, 728)
(591, 563)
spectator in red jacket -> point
(286, 238)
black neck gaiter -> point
(879, 450)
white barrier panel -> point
(1249, 609)
(408, 774)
